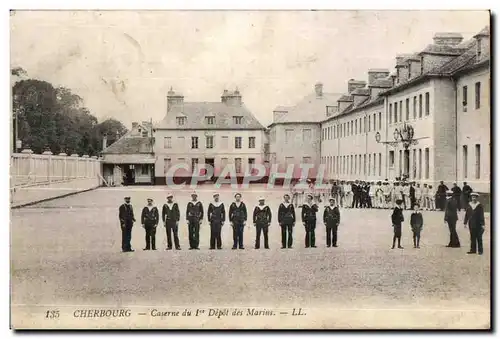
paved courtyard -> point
(67, 252)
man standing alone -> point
(126, 216)
(474, 215)
(149, 221)
(451, 217)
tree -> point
(112, 128)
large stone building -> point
(295, 133)
(213, 133)
(442, 92)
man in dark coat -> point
(126, 216)
(466, 195)
(194, 216)
(331, 219)
(413, 200)
(451, 217)
(356, 191)
(216, 217)
(286, 219)
(474, 216)
(171, 215)
(457, 193)
(149, 220)
(441, 196)
(416, 224)
(261, 220)
(309, 210)
(238, 219)
(397, 219)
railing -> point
(28, 169)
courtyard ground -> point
(67, 252)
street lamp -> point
(403, 136)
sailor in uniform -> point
(171, 215)
(216, 217)
(331, 219)
(126, 216)
(194, 217)
(286, 219)
(261, 220)
(309, 210)
(238, 219)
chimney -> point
(344, 102)
(231, 98)
(447, 39)
(353, 84)
(173, 99)
(393, 77)
(318, 88)
(380, 85)
(104, 141)
(414, 66)
(377, 73)
(402, 68)
(359, 95)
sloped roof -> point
(442, 50)
(130, 145)
(310, 109)
(196, 112)
(345, 98)
(383, 83)
(361, 91)
(282, 108)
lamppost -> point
(15, 117)
(404, 136)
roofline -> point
(151, 153)
(482, 64)
(376, 102)
(208, 129)
(294, 122)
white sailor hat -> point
(194, 193)
(474, 194)
(310, 196)
(170, 195)
(215, 194)
(261, 198)
(149, 199)
(449, 192)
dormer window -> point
(210, 120)
(181, 121)
(237, 120)
(409, 70)
(478, 46)
(145, 134)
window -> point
(194, 142)
(209, 140)
(464, 98)
(369, 123)
(306, 160)
(414, 107)
(288, 135)
(390, 114)
(167, 142)
(237, 165)
(352, 125)
(408, 109)
(478, 95)
(251, 162)
(380, 120)
(395, 112)
(223, 162)
(427, 163)
(145, 134)
(391, 158)
(181, 142)
(238, 120)
(210, 120)
(343, 132)
(144, 170)
(225, 142)
(251, 142)
(400, 162)
(166, 165)
(194, 164)
(414, 169)
(356, 127)
(364, 125)
(420, 106)
(237, 142)
(355, 163)
(478, 48)
(478, 161)
(464, 159)
(427, 103)
(181, 160)
(374, 121)
(352, 158)
(369, 163)
(420, 163)
(181, 121)
(364, 164)
(380, 164)
(306, 135)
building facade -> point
(215, 134)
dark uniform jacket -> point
(416, 221)
(150, 217)
(170, 214)
(397, 216)
(194, 211)
(412, 192)
(466, 191)
(126, 215)
(474, 216)
(262, 216)
(286, 214)
(450, 212)
(331, 216)
(441, 190)
(309, 213)
(457, 192)
(216, 214)
(237, 214)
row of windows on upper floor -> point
(209, 142)
(354, 127)
(477, 96)
(210, 120)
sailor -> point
(286, 219)
(441, 196)
(451, 217)
(216, 217)
(171, 215)
(425, 198)
(309, 210)
(416, 224)
(466, 195)
(149, 220)
(474, 216)
(126, 216)
(387, 194)
(457, 192)
(194, 217)
(397, 219)
(331, 219)
(261, 220)
(379, 195)
(238, 219)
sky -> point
(122, 63)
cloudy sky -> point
(122, 62)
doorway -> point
(129, 175)
(210, 162)
(406, 170)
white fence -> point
(28, 169)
